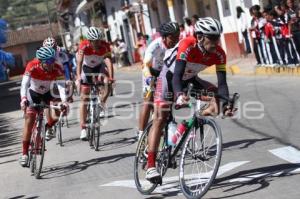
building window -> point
(248, 3)
(226, 8)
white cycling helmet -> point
(208, 26)
(94, 34)
(49, 42)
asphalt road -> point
(261, 156)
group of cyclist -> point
(47, 80)
(173, 64)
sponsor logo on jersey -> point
(182, 56)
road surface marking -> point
(288, 153)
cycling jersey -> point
(182, 64)
(154, 54)
(196, 60)
(40, 81)
(93, 58)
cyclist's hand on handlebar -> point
(24, 103)
(64, 107)
(228, 111)
(111, 80)
(182, 100)
(148, 80)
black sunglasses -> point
(212, 37)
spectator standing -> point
(182, 32)
(123, 53)
(293, 24)
(243, 31)
(189, 27)
(141, 45)
(256, 34)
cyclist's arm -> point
(67, 71)
(79, 63)
(61, 85)
(25, 85)
(109, 65)
(177, 76)
(147, 62)
(222, 82)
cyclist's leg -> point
(84, 99)
(162, 106)
(103, 75)
(50, 117)
(30, 116)
(146, 108)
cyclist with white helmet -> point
(38, 78)
(181, 67)
(62, 59)
(93, 58)
(153, 64)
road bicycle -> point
(93, 115)
(200, 146)
(37, 142)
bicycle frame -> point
(196, 117)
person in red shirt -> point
(40, 75)
(94, 59)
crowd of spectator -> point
(275, 31)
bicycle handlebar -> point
(231, 101)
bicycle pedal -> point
(157, 180)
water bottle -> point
(171, 131)
(179, 132)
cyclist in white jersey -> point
(152, 65)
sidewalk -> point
(241, 66)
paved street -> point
(261, 147)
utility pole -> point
(49, 21)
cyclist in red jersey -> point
(181, 66)
(40, 75)
(94, 58)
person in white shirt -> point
(243, 29)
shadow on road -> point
(281, 140)
(9, 138)
(115, 131)
(117, 143)
(25, 197)
(69, 168)
(259, 176)
(10, 96)
(242, 144)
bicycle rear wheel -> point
(200, 158)
(38, 154)
(140, 164)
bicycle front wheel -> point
(140, 164)
(59, 134)
(39, 153)
(200, 158)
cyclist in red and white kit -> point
(181, 66)
(94, 58)
(40, 75)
